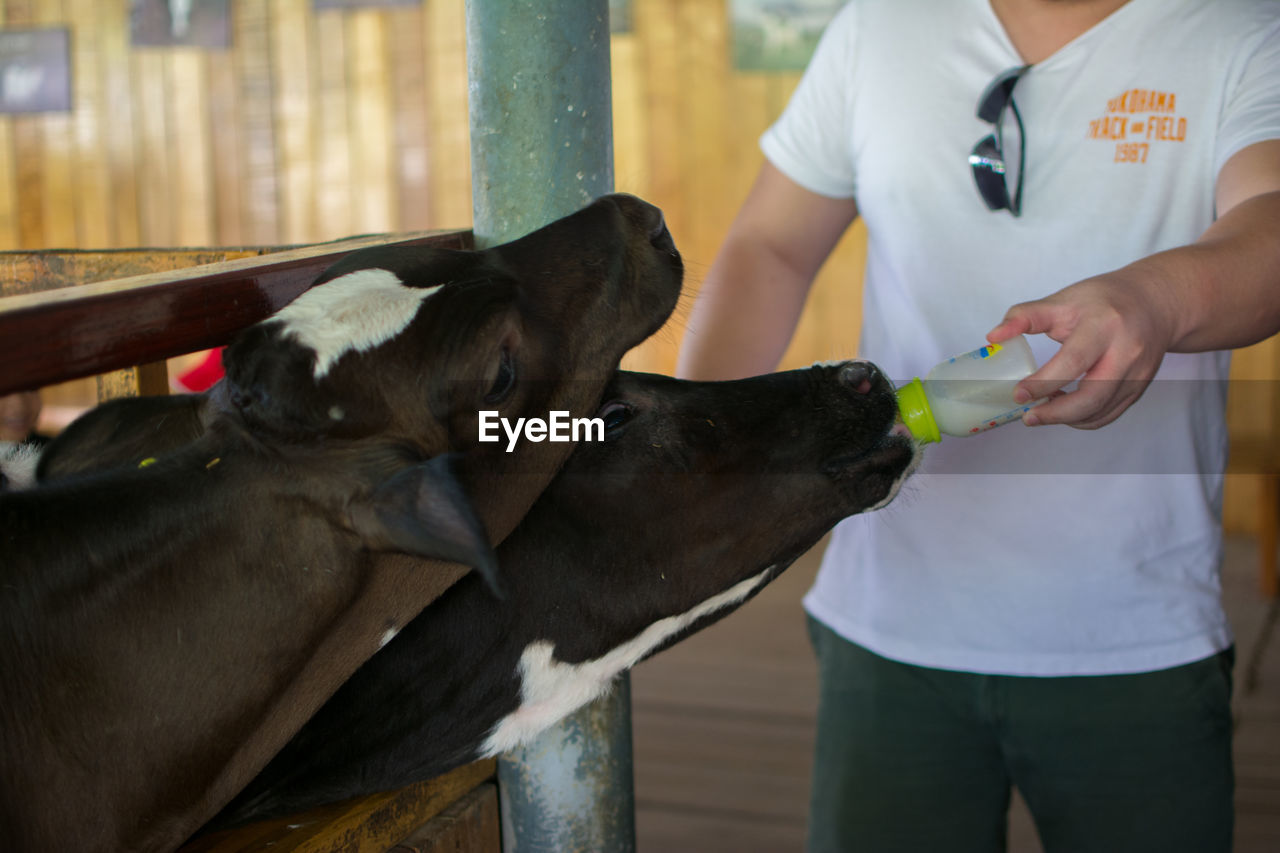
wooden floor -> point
(723, 726)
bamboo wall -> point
(320, 125)
(312, 126)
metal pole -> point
(541, 115)
(571, 790)
(541, 148)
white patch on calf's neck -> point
(357, 311)
(551, 689)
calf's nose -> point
(859, 376)
(657, 224)
(642, 214)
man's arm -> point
(752, 295)
(1221, 292)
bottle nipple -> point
(913, 408)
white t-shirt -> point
(1049, 550)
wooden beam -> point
(471, 824)
(57, 335)
(366, 825)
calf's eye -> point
(614, 415)
(504, 381)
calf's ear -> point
(423, 510)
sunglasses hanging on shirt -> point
(987, 160)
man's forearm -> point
(1226, 285)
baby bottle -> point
(968, 394)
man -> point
(1042, 608)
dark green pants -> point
(922, 760)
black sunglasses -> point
(987, 157)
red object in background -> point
(204, 375)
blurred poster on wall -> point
(180, 23)
(35, 71)
(778, 35)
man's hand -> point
(1113, 339)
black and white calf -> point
(699, 496)
(168, 625)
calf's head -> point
(699, 495)
(409, 343)
(403, 347)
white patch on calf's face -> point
(916, 456)
(354, 312)
(551, 689)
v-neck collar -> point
(1062, 54)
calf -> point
(700, 495)
(166, 627)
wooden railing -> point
(64, 315)
(456, 812)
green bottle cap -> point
(916, 414)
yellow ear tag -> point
(150, 460)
